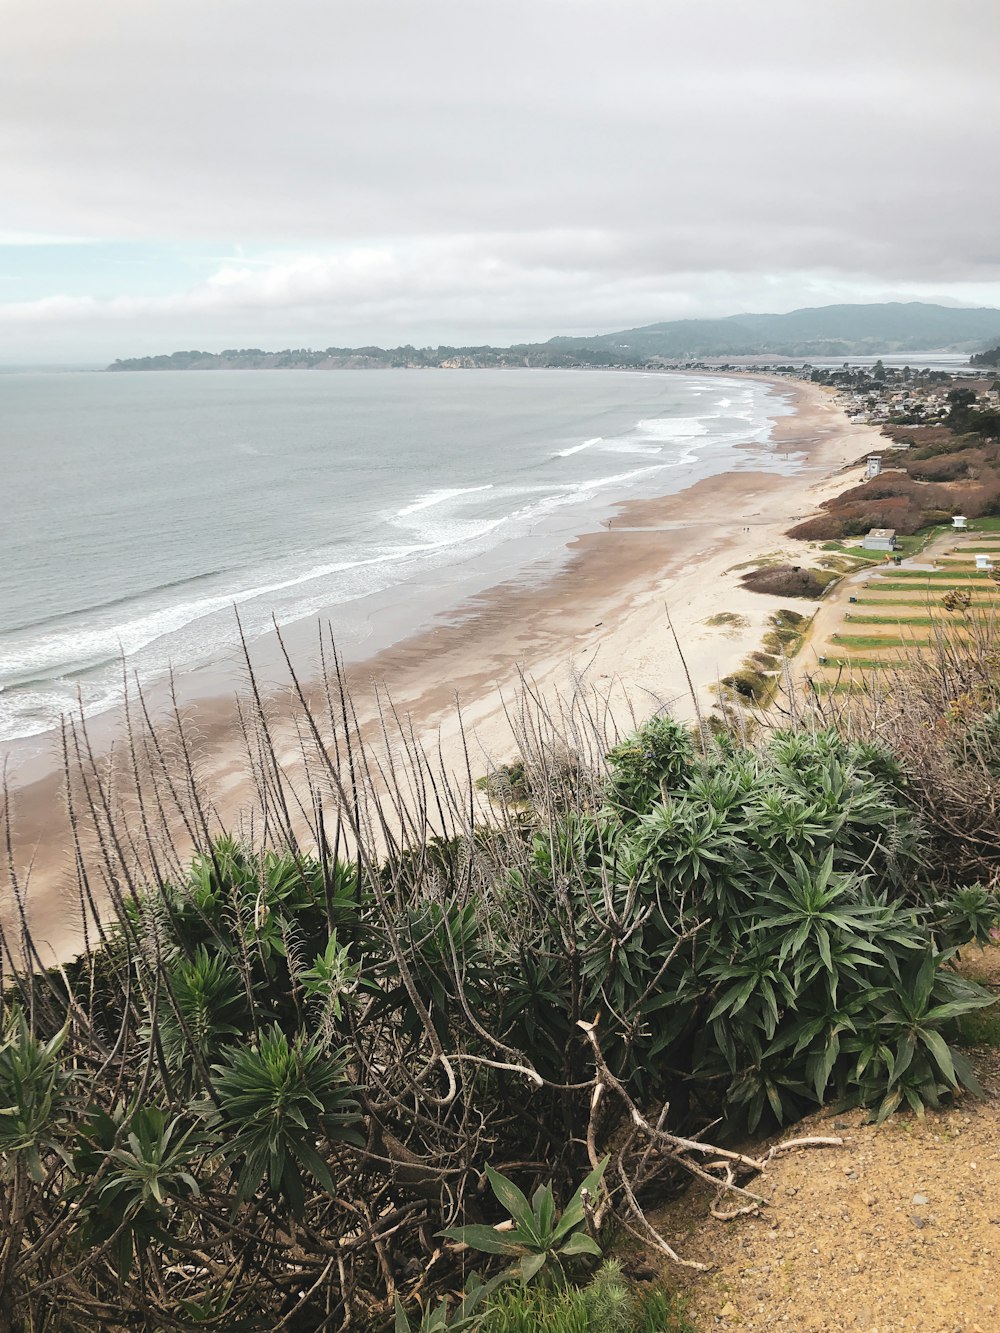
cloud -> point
(518, 168)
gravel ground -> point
(897, 1229)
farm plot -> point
(879, 619)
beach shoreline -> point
(661, 568)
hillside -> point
(824, 331)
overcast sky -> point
(211, 173)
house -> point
(874, 466)
(880, 539)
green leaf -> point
(544, 1209)
(512, 1199)
(574, 1213)
(484, 1238)
(938, 1048)
(530, 1265)
(580, 1243)
(402, 1324)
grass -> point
(919, 601)
(914, 574)
(980, 1028)
(760, 562)
(866, 663)
(906, 546)
(852, 686)
(786, 632)
(873, 641)
(731, 618)
(937, 588)
(842, 563)
(539, 1309)
(896, 620)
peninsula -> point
(826, 331)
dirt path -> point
(897, 1230)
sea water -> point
(141, 512)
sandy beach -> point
(660, 568)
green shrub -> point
(541, 1239)
(298, 1065)
(608, 1304)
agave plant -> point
(131, 1172)
(207, 1008)
(540, 1238)
(912, 1061)
(33, 1089)
(281, 1098)
(658, 757)
(968, 915)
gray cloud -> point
(518, 168)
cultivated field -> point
(878, 618)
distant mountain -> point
(823, 331)
(857, 330)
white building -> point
(880, 539)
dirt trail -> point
(899, 1229)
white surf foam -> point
(438, 497)
(74, 649)
(577, 448)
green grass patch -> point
(981, 604)
(896, 620)
(872, 641)
(984, 525)
(866, 663)
(843, 563)
(905, 546)
(856, 685)
(916, 574)
(981, 1028)
(604, 1305)
(731, 618)
(785, 635)
(936, 588)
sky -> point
(218, 173)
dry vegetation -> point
(941, 473)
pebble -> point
(920, 1198)
(869, 1199)
(728, 1311)
(918, 1222)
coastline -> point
(661, 567)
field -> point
(878, 618)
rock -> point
(869, 1200)
(728, 1311)
(920, 1198)
(919, 1222)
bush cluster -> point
(279, 1057)
(789, 581)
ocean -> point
(141, 511)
